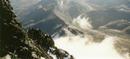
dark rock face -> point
(41, 38)
(20, 44)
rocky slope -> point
(21, 44)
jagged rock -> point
(41, 38)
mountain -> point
(17, 43)
(41, 16)
(102, 17)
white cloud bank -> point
(82, 46)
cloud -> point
(121, 25)
(85, 46)
(81, 47)
(82, 23)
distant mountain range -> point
(42, 14)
